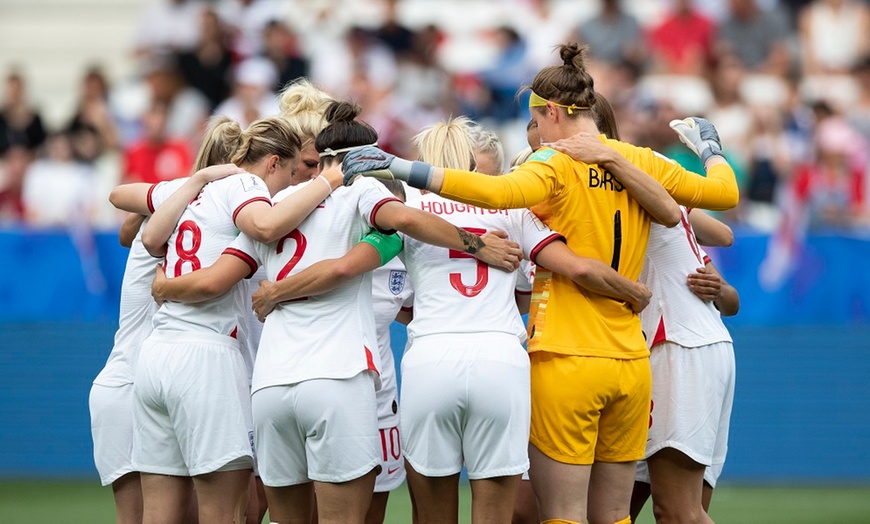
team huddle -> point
(254, 369)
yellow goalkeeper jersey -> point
(600, 220)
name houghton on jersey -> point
(448, 208)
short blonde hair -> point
(487, 142)
(304, 108)
(447, 144)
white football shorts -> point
(112, 430)
(320, 429)
(465, 399)
(192, 407)
(392, 463)
(692, 397)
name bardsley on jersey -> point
(604, 180)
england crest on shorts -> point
(397, 281)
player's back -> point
(453, 291)
(205, 229)
(675, 313)
(329, 335)
(600, 220)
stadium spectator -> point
(859, 113)
(20, 124)
(834, 35)
(247, 19)
(339, 60)
(93, 110)
(252, 97)
(207, 66)
(393, 33)
(13, 169)
(613, 35)
(833, 187)
(167, 26)
(768, 165)
(682, 43)
(186, 108)
(281, 46)
(729, 111)
(57, 188)
(508, 73)
(157, 155)
(755, 37)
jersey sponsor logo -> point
(390, 471)
(397, 281)
(543, 154)
(604, 180)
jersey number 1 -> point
(482, 270)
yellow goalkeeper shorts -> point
(589, 409)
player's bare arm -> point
(707, 283)
(200, 285)
(267, 224)
(709, 231)
(163, 221)
(130, 228)
(496, 251)
(593, 275)
(316, 279)
(524, 302)
(132, 198)
(589, 148)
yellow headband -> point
(537, 101)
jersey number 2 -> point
(482, 270)
(301, 244)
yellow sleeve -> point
(530, 184)
(717, 191)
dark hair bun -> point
(573, 54)
(339, 111)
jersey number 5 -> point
(482, 270)
(301, 244)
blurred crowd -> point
(787, 84)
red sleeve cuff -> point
(151, 202)
(518, 292)
(246, 202)
(542, 244)
(375, 212)
(246, 258)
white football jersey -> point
(137, 307)
(454, 292)
(675, 313)
(254, 330)
(391, 292)
(204, 231)
(330, 335)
